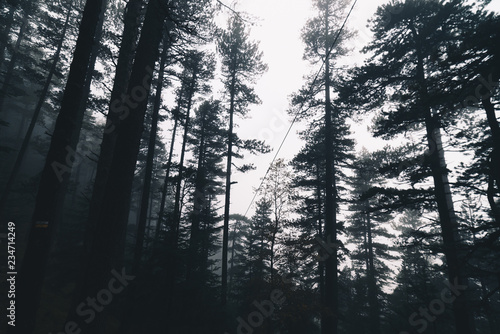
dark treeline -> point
(117, 156)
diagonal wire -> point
(311, 87)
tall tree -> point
(278, 191)
(252, 269)
(54, 173)
(241, 64)
(106, 246)
(123, 69)
(476, 84)
(367, 231)
(209, 143)
(146, 189)
(404, 70)
(198, 67)
(323, 38)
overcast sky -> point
(278, 25)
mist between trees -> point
(117, 152)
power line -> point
(302, 104)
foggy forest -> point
(126, 166)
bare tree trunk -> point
(449, 226)
(55, 174)
(177, 200)
(167, 176)
(146, 189)
(372, 279)
(198, 203)
(122, 75)
(105, 249)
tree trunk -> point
(106, 249)
(233, 241)
(34, 118)
(193, 266)
(146, 189)
(167, 176)
(442, 191)
(372, 279)
(54, 173)
(150, 215)
(227, 201)
(449, 224)
(321, 266)
(177, 200)
(273, 241)
(331, 265)
(120, 83)
(494, 165)
(176, 217)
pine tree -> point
(278, 191)
(241, 64)
(207, 138)
(368, 232)
(107, 231)
(324, 42)
(49, 196)
(405, 71)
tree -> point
(106, 242)
(404, 71)
(324, 41)
(198, 67)
(208, 141)
(418, 281)
(123, 69)
(146, 189)
(278, 191)
(368, 232)
(252, 268)
(476, 84)
(54, 173)
(241, 64)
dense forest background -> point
(119, 144)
